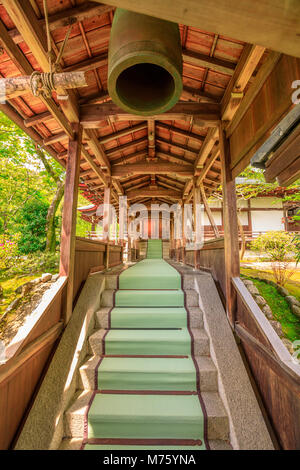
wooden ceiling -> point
(158, 158)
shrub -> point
(33, 264)
(279, 248)
(8, 251)
(297, 248)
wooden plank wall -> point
(277, 377)
(269, 106)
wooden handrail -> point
(16, 345)
(274, 363)
(10, 366)
(263, 325)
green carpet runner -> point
(148, 391)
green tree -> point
(32, 226)
(26, 174)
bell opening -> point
(145, 86)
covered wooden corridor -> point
(239, 101)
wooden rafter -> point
(66, 17)
(273, 26)
(175, 130)
(235, 91)
(204, 61)
(123, 132)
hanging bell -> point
(144, 63)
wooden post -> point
(249, 218)
(68, 229)
(231, 239)
(106, 221)
(209, 212)
(196, 201)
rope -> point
(48, 33)
(42, 83)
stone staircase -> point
(119, 411)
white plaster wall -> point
(273, 202)
(217, 217)
(267, 220)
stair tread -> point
(149, 298)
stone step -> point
(149, 342)
(157, 374)
(191, 297)
(195, 316)
(146, 416)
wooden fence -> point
(28, 354)
(276, 374)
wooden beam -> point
(206, 148)
(209, 212)
(205, 61)
(272, 23)
(120, 171)
(95, 168)
(231, 238)
(205, 114)
(97, 149)
(120, 148)
(185, 148)
(122, 133)
(68, 229)
(253, 91)
(25, 67)
(89, 64)
(67, 17)
(150, 192)
(129, 158)
(118, 187)
(198, 95)
(234, 93)
(175, 130)
(61, 136)
(172, 157)
(209, 163)
(151, 138)
(38, 118)
(23, 15)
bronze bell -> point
(144, 63)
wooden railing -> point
(276, 373)
(28, 354)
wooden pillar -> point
(209, 212)
(249, 218)
(106, 221)
(183, 241)
(68, 229)
(196, 201)
(231, 239)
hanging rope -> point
(49, 46)
(43, 83)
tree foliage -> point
(280, 248)
(29, 180)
